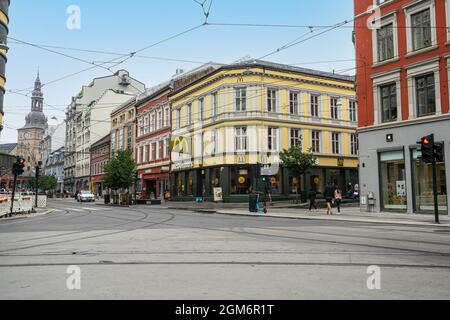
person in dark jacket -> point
(329, 195)
(312, 195)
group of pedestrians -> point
(332, 195)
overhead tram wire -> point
(124, 57)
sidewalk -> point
(39, 212)
(350, 213)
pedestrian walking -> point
(338, 198)
(329, 195)
(312, 195)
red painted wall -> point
(364, 56)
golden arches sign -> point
(180, 145)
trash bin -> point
(253, 201)
(107, 199)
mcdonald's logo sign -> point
(180, 145)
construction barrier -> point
(22, 204)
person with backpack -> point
(338, 198)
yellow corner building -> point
(241, 115)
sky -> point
(127, 26)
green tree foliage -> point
(297, 161)
(46, 183)
(119, 172)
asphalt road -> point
(156, 253)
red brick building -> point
(100, 154)
(152, 153)
(403, 65)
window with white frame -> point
(241, 138)
(296, 138)
(140, 126)
(146, 126)
(385, 39)
(314, 105)
(160, 120)
(335, 142)
(420, 25)
(353, 144)
(166, 117)
(421, 29)
(385, 42)
(152, 151)
(334, 103)
(388, 97)
(145, 153)
(272, 138)
(241, 99)
(178, 118)
(315, 141)
(214, 104)
(271, 100)
(120, 138)
(159, 149)
(353, 112)
(213, 141)
(166, 148)
(424, 88)
(152, 122)
(294, 103)
(189, 114)
(426, 95)
(201, 107)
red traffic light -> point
(425, 141)
(22, 162)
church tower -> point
(32, 133)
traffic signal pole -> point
(13, 195)
(36, 187)
(430, 152)
(435, 191)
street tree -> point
(297, 161)
(46, 183)
(119, 172)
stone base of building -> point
(391, 170)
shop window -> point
(240, 180)
(393, 181)
(422, 177)
(275, 184)
(215, 178)
(190, 183)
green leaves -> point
(297, 161)
(46, 183)
(119, 172)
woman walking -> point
(312, 199)
(338, 198)
(329, 195)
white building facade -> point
(88, 120)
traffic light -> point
(18, 167)
(427, 148)
(439, 151)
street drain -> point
(106, 262)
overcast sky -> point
(126, 26)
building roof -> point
(285, 67)
(255, 63)
(104, 140)
(7, 148)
